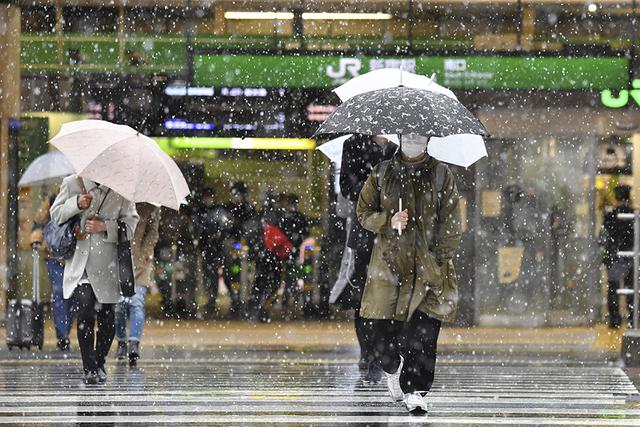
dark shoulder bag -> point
(126, 278)
(61, 238)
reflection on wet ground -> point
(282, 388)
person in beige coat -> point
(143, 245)
(91, 275)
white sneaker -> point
(415, 402)
(393, 383)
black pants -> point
(613, 300)
(267, 283)
(94, 350)
(358, 280)
(416, 340)
(210, 277)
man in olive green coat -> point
(411, 286)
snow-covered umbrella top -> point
(401, 110)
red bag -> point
(276, 241)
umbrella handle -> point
(400, 210)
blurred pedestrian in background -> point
(360, 154)
(235, 238)
(62, 308)
(411, 285)
(91, 274)
(222, 228)
(133, 308)
(184, 269)
(214, 221)
(268, 247)
(617, 235)
(295, 226)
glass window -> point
(591, 24)
(90, 20)
(535, 236)
(38, 19)
(160, 19)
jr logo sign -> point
(455, 64)
(347, 65)
(608, 100)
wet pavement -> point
(208, 384)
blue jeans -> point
(62, 308)
(133, 308)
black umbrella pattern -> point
(402, 110)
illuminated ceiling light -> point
(259, 15)
(346, 16)
(592, 7)
(309, 16)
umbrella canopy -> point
(461, 150)
(388, 78)
(333, 149)
(129, 163)
(402, 110)
(46, 169)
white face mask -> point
(413, 144)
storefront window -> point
(609, 25)
(38, 19)
(158, 20)
(90, 20)
(535, 242)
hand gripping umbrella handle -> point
(400, 210)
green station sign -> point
(469, 72)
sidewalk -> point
(593, 343)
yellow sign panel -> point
(509, 263)
(491, 203)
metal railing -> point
(635, 254)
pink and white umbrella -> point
(129, 163)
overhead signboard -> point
(469, 72)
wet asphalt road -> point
(175, 386)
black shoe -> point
(614, 325)
(121, 352)
(90, 378)
(63, 344)
(134, 353)
(374, 373)
(363, 365)
(263, 316)
(210, 311)
(102, 375)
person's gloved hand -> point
(400, 219)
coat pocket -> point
(430, 273)
(449, 292)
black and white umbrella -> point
(402, 110)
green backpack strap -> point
(382, 170)
(437, 189)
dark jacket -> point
(359, 155)
(296, 226)
(618, 234)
